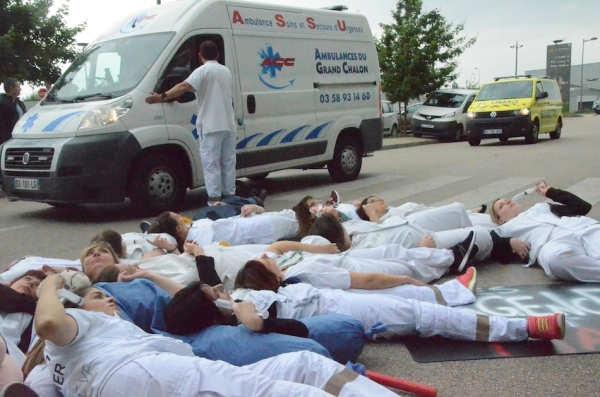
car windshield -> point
(445, 100)
(506, 90)
(108, 69)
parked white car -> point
(389, 118)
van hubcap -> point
(348, 159)
(161, 185)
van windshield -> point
(108, 69)
(506, 90)
(445, 100)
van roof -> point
(177, 15)
(457, 90)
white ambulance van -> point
(307, 94)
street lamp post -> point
(516, 47)
(478, 77)
(581, 91)
(556, 42)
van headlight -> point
(471, 115)
(449, 115)
(106, 114)
(522, 112)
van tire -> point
(533, 135)
(347, 160)
(157, 185)
(556, 133)
(474, 140)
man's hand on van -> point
(154, 98)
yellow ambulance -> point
(516, 106)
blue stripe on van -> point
(290, 137)
(266, 140)
(244, 142)
(53, 125)
(314, 134)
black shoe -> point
(483, 209)
(144, 225)
(262, 195)
(463, 252)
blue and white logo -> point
(272, 64)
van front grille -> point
(29, 158)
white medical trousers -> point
(217, 151)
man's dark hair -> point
(165, 223)
(113, 238)
(209, 50)
(327, 226)
(191, 310)
(10, 83)
(361, 211)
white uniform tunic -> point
(263, 228)
(111, 357)
(216, 127)
(402, 316)
(397, 230)
(565, 247)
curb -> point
(408, 144)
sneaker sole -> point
(467, 254)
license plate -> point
(492, 132)
(427, 125)
(26, 184)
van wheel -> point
(347, 160)
(556, 133)
(474, 140)
(258, 177)
(532, 136)
(458, 134)
(157, 185)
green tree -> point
(33, 43)
(418, 52)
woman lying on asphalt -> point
(117, 358)
(565, 242)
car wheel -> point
(556, 133)
(503, 139)
(458, 133)
(474, 140)
(533, 135)
(157, 185)
(347, 160)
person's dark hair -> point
(254, 275)
(191, 310)
(361, 212)
(209, 50)
(109, 274)
(113, 238)
(10, 83)
(40, 275)
(165, 223)
(327, 226)
(304, 217)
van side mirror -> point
(541, 95)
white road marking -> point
(14, 228)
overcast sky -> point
(498, 24)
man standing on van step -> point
(11, 108)
(215, 123)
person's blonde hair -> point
(95, 245)
(493, 214)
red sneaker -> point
(469, 279)
(547, 327)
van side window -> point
(538, 88)
(552, 89)
(184, 62)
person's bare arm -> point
(51, 320)
(281, 247)
(380, 281)
(169, 286)
(173, 93)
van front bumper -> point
(433, 128)
(506, 127)
(91, 169)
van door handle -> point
(251, 103)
